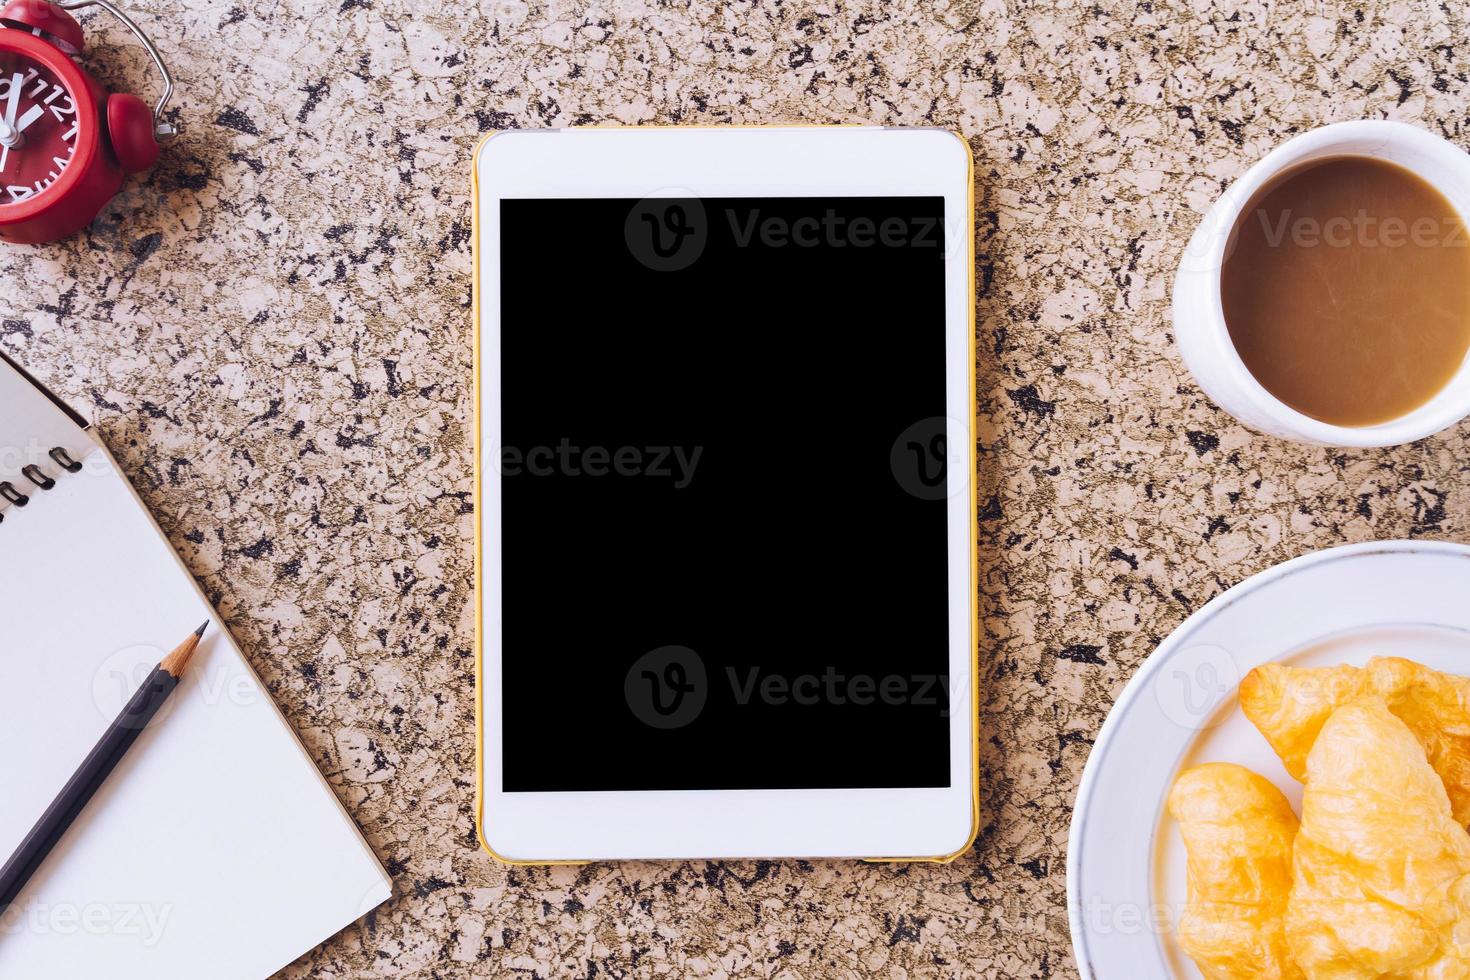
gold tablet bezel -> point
(969, 232)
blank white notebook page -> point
(215, 849)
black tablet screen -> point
(723, 494)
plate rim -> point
(1136, 683)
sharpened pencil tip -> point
(202, 626)
(175, 662)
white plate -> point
(1125, 862)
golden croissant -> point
(1238, 830)
(1381, 867)
(1290, 705)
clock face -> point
(38, 128)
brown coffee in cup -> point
(1346, 290)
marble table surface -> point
(271, 330)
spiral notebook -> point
(216, 849)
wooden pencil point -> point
(176, 663)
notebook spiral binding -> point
(37, 476)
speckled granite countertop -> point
(272, 332)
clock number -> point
(25, 80)
(18, 193)
(62, 113)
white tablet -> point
(725, 514)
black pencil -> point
(111, 747)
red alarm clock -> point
(65, 142)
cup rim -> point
(1418, 424)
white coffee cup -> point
(1199, 316)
